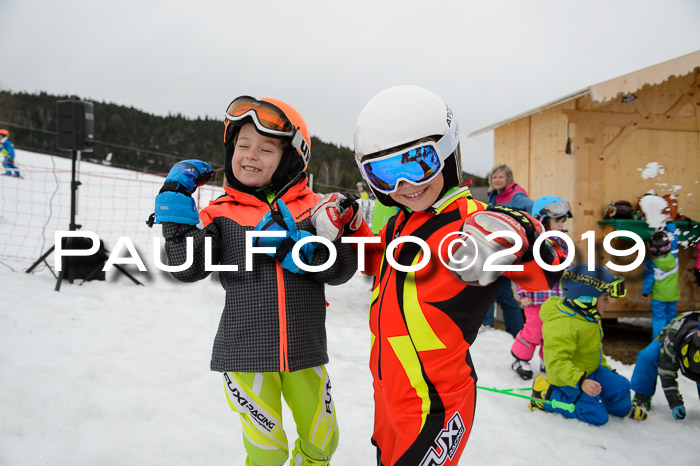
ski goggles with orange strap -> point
(268, 119)
(417, 164)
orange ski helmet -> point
(272, 118)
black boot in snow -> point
(522, 367)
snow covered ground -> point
(111, 373)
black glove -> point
(550, 253)
(533, 228)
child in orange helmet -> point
(271, 339)
(7, 149)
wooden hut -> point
(596, 145)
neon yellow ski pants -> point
(257, 397)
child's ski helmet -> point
(690, 356)
(4, 133)
(272, 118)
(583, 287)
(400, 117)
(659, 243)
(619, 210)
(552, 207)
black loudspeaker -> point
(75, 125)
(85, 267)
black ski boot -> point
(522, 367)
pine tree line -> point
(140, 141)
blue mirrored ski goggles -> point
(418, 164)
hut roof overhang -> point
(611, 89)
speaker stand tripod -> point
(102, 252)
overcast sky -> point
(489, 60)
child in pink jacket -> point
(552, 211)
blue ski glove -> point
(174, 203)
(283, 220)
(679, 413)
(273, 221)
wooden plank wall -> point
(534, 148)
(663, 126)
(512, 147)
(551, 168)
(670, 138)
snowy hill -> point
(110, 373)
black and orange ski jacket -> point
(273, 320)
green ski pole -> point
(554, 403)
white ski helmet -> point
(399, 117)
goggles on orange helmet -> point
(268, 119)
(416, 164)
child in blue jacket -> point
(676, 348)
(661, 278)
(8, 152)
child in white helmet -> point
(426, 306)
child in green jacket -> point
(577, 371)
(661, 278)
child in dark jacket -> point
(577, 371)
(271, 338)
(677, 347)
